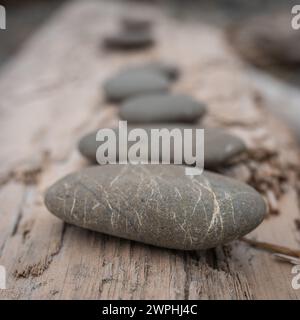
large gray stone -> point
(157, 205)
(162, 108)
(220, 147)
(125, 85)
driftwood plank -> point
(51, 95)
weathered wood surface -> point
(51, 95)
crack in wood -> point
(37, 269)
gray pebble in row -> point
(162, 108)
(128, 84)
(129, 40)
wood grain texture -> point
(51, 95)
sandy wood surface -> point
(51, 95)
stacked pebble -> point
(158, 204)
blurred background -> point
(259, 30)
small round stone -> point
(157, 205)
(136, 23)
(169, 70)
(162, 108)
(129, 84)
(127, 40)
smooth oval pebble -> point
(157, 205)
(134, 23)
(128, 84)
(169, 70)
(129, 39)
(162, 108)
(220, 147)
